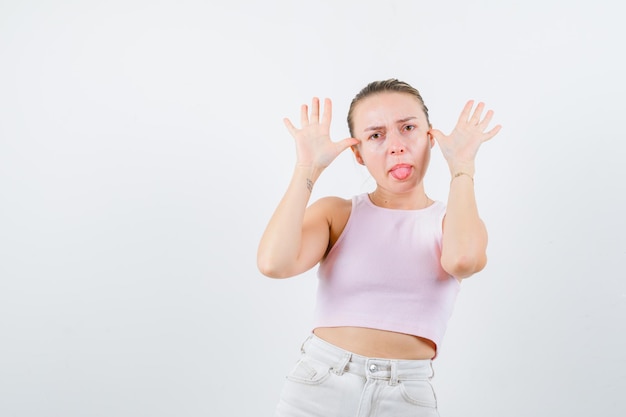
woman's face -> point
(394, 140)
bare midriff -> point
(375, 343)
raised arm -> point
(464, 242)
(297, 237)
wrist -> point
(462, 174)
(309, 174)
(466, 168)
(310, 169)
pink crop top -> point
(384, 272)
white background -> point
(142, 151)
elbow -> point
(267, 269)
(464, 266)
(270, 269)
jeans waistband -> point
(376, 368)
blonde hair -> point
(377, 87)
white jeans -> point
(328, 381)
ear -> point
(357, 154)
(431, 138)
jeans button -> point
(373, 368)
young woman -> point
(390, 261)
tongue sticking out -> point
(401, 172)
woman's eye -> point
(409, 127)
(375, 136)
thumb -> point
(347, 142)
(435, 134)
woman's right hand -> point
(314, 148)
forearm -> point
(280, 245)
(464, 235)
(464, 242)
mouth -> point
(401, 171)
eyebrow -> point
(406, 119)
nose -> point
(396, 144)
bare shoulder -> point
(333, 208)
(334, 203)
(336, 210)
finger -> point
(439, 136)
(290, 127)
(463, 118)
(304, 115)
(435, 133)
(315, 110)
(475, 119)
(485, 122)
(344, 144)
(328, 112)
(492, 133)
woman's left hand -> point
(461, 146)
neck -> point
(414, 200)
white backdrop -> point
(142, 152)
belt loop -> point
(432, 370)
(342, 364)
(394, 373)
(305, 342)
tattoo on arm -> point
(309, 185)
